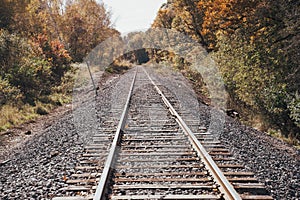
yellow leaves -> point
(205, 31)
(225, 25)
(219, 33)
(252, 38)
(201, 5)
(223, 6)
(211, 46)
(258, 34)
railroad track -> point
(151, 153)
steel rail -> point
(102, 186)
(225, 187)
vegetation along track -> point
(151, 153)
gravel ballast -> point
(38, 169)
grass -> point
(59, 99)
(290, 139)
(258, 123)
(12, 116)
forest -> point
(39, 41)
(255, 44)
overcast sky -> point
(132, 15)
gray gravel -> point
(267, 157)
(275, 163)
(37, 170)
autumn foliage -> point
(256, 44)
(39, 40)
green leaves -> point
(256, 44)
(8, 93)
(28, 73)
(294, 107)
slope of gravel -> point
(37, 171)
(39, 168)
(275, 163)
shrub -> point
(294, 107)
(9, 93)
(41, 110)
(55, 54)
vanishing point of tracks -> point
(151, 153)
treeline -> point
(39, 39)
(256, 46)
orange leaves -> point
(52, 51)
(252, 39)
(201, 5)
(203, 19)
(86, 24)
(59, 50)
(224, 15)
(64, 178)
(164, 19)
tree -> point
(86, 24)
(39, 16)
(256, 44)
(164, 18)
(183, 16)
(258, 62)
(6, 13)
(223, 16)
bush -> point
(41, 110)
(294, 107)
(55, 54)
(256, 82)
(33, 75)
(8, 93)
(32, 69)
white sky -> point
(133, 15)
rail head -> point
(225, 187)
(102, 186)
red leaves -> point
(59, 50)
(51, 50)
